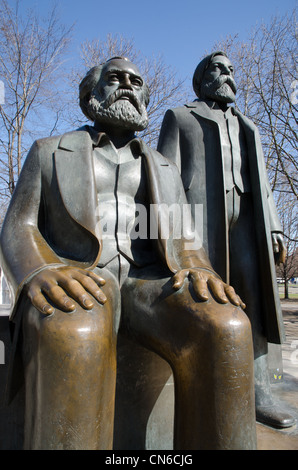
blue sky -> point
(181, 31)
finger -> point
(100, 281)
(276, 247)
(232, 296)
(201, 289)
(91, 286)
(75, 289)
(200, 286)
(178, 279)
(41, 304)
(282, 257)
(59, 297)
(217, 288)
(283, 253)
(275, 243)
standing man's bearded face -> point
(119, 97)
(218, 83)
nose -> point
(226, 70)
(126, 82)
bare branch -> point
(266, 74)
(31, 52)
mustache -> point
(221, 80)
(124, 93)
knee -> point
(221, 324)
(218, 337)
(80, 325)
(229, 320)
(82, 334)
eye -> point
(136, 81)
(113, 77)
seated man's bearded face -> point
(118, 99)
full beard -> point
(221, 89)
(118, 112)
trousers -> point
(244, 266)
(71, 365)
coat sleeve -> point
(274, 222)
(187, 244)
(275, 225)
(24, 251)
(169, 139)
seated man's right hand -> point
(64, 285)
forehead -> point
(121, 65)
(220, 59)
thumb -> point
(178, 278)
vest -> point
(122, 204)
(234, 150)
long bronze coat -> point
(52, 220)
(190, 137)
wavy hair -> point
(201, 69)
(90, 81)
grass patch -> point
(291, 297)
(292, 290)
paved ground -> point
(285, 391)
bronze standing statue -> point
(219, 155)
(77, 267)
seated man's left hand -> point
(202, 281)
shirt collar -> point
(215, 105)
(99, 138)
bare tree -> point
(166, 90)
(266, 75)
(287, 207)
(31, 54)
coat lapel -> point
(158, 174)
(202, 109)
(75, 175)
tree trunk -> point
(286, 289)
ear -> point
(84, 101)
(146, 94)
